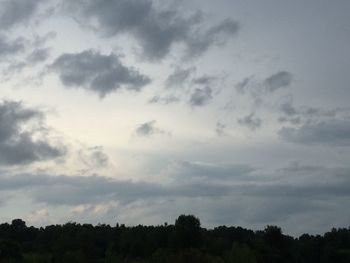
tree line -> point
(185, 241)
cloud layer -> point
(331, 132)
(203, 188)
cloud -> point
(205, 80)
(10, 47)
(290, 113)
(281, 79)
(98, 73)
(17, 140)
(16, 12)
(309, 181)
(185, 170)
(280, 197)
(179, 77)
(156, 30)
(250, 121)
(329, 132)
(38, 55)
(73, 190)
(148, 129)
(243, 85)
(201, 97)
(197, 91)
(308, 114)
(259, 90)
(199, 43)
(220, 129)
(24, 53)
(288, 109)
(94, 157)
(170, 99)
(277, 197)
(40, 40)
(76, 190)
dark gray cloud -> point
(94, 157)
(148, 129)
(281, 79)
(282, 195)
(259, 91)
(165, 100)
(98, 73)
(10, 47)
(318, 191)
(17, 144)
(288, 109)
(205, 80)
(201, 97)
(16, 12)
(292, 120)
(75, 190)
(290, 113)
(250, 121)
(72, 190)
(155, 29)
(179, 77)
(35, 58)
(306, 114)
(216, 35)
(212, 172)
(98, 157)
(205, 189)
(24, 53)
(197, 91)
(259, 88)
(220, 129)
(329, 132)
(41, 40)
(38, 55)
(244, 85)
(309, 181)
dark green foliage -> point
(10, 251)
(187, 231)
(240, 254)
(185, 241)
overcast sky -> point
(137, 111)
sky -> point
(137, 111)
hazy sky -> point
(137, 111)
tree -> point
(18, 224)
(9, 250)
(240, 254)
(187, 231)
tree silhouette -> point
(187, 231)
(185, 241)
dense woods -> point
(185, 241)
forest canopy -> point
(184, 241)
